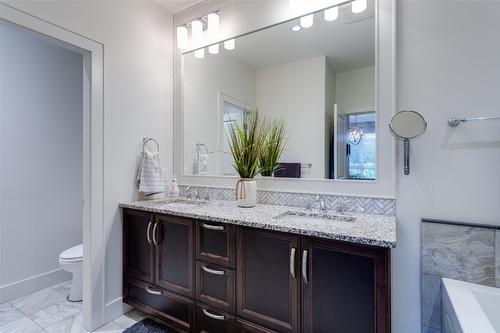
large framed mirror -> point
(332, 83)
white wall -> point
(41, 112)
(204, 79)
(137, 39)
(448, 64)
(296, 91)
(355, 90)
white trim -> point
(385, 183)
(27, 286)
(93, 156)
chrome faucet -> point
(342, 206)
(320, 201)
(192, 193)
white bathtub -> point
(469, 307)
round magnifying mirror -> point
(406, 125)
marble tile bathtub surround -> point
(462, 252)
(355, 204)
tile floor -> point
(48, 311)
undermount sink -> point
(184, 201)
(305, 217)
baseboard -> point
(115, 309)
(24, 287)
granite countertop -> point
(368, 229)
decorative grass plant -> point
(276, 139)
(246, 142)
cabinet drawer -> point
(215, 243)
(176, 310)
(215, 286)
(209, 320)
(247, 327)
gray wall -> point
(448, 64)
(41, 158)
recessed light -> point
(296, 28)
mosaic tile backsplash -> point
(354, 204)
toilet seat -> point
(74, 254)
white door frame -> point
(93, 155)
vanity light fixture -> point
(213, 24)
(355, 135)
(358, 6)
(307, 21)
(196, 32)
(331, 14)
(199, 54)
(229, 44)
(213, 49)
(182, 37)
(296, 28)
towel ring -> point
(145, 140)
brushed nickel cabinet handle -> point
(213, 316)
(154, 234)
(304, 266)
(292, 262)
(212, 271)
(212, 227)
(153, 292)
(148, 234)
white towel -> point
(149, 175)
(202, 164)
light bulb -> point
(229, 44)
(213, 24)
(357, 6)
(196, 32)
(331, 14)
(182, 38)
(199, 54)
(296, 28)
(307, 21)
(213, 49)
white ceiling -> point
(348, 43)
(175, 6)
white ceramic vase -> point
(246, 192)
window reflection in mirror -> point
(320, 79)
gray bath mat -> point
(148, 326)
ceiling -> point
(175, 6)
(348, 43)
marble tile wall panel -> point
(459, 252)
(355, 204)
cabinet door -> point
(215, 243)
(246, 327)
(345, 288)
(174, 237)
(138, 249)
(267, 281)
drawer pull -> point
(212, 271)
(153, 292)
(304, 266)
(292, 262)
(212, 227)
(148, 234)
(213, 316)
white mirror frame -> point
(242, 17)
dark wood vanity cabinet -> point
(201, 276)
(267, 283)
(138, 251)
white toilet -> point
(71, 260)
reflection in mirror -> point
(320, 80)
